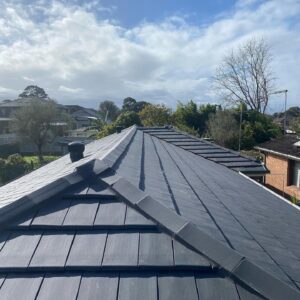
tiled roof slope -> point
(91, 228)
(86, 243)
(283, 145)
(208, 150)
(239, 213)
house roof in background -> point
(227, 224)
(284, 145)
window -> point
(296, 174)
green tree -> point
(128, 118)
(187, 115)
(35, 122)
(130, 104)
(295, 124)
(263, 128)
(223, 128)
(108, 111)
(155, 115)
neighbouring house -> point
(83, 117)
(282, 158)
(144, 216)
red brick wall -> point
(278, 177)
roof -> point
(284, 146)
(211, 151)
(139, 217)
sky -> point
(161, 51)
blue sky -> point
(132, 12)
(163, 51)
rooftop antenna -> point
(285, 102)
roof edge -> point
(277, 153)
(229, 261)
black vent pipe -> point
(76, 150)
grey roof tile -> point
(136, 288)
(18, 249)
(59, 287)
(111, 214)
(121, 250)
(95, 287)
(81, 212)
(52, 250)
(155, 249)
(25, 287)
(177, 288)
(216, 288)
(87, 249)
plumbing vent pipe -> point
(76, 150)
(119, 129)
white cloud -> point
(70, 90)
(76, 56)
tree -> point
(128, 118)
(223, 128)
(155, 115)
(35, 122)
(187, 115)
(108, 111)
(33, 91)
(262, 127)
(130, 104)
(295, 124)
(245, 75)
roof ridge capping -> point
(229, 261)
(88, 169)
(82, 172)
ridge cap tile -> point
(263, 282)
(211, 248)
(161, 214)
(128, 191)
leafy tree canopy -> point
(33, 91)
(35, 121)
(223, 128)
(108, 111)
(128, 118)
(155, 115)
(130, 104)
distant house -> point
(282, 158)
(83, 117)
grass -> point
(35, 161)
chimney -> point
(76, 150)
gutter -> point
(278, 153)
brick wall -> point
(279, 175)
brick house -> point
(282, 158)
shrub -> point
(15, 166)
